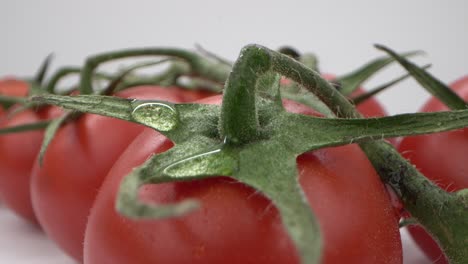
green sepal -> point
(41, 73)
(374, 91)
(277, 149)
(24, 128)
(115, 82)
(429, 82)
(8, 101)
(199, 65)
(58, 75)
(276, 176)
(171, 166)
(51, 130)
(351, 81)
(299, 94)
(196, 83)
(168, 77)
(189, 118)
(306, 133)
(212, 55)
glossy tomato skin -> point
(440, 157)
(18, 152)
(75, 164)
(238, 225)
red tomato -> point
(236, 224)
(13, 87)
(75, 164)
(18, 152)
(440, 157)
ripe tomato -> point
(18, 152)
(236, 224)
(75, 164)
(13, 87)
(440, 157)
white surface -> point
(340, 32)
(23, 243)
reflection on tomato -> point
(236, 224)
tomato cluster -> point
(72, 193)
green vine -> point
(253, 139)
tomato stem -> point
(210, 140)
(422, 198)
(374, 91)
(4, 99)
(239, 121)
(27, 127)
(443, 214)
(166, 78)
(40, 75)
(59, 75)
(199, 65)
(351, 81)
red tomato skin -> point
(17, 156)
(11, 86)
(441, 158)
(237, 224)
(74, 166)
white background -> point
(342, 33)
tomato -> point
(18, 152)
(75, 165)
(440, 157)
(236, 224)
(13, 87)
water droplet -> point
(214, 162)
(158, 115)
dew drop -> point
(158, 115)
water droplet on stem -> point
(158, 115)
